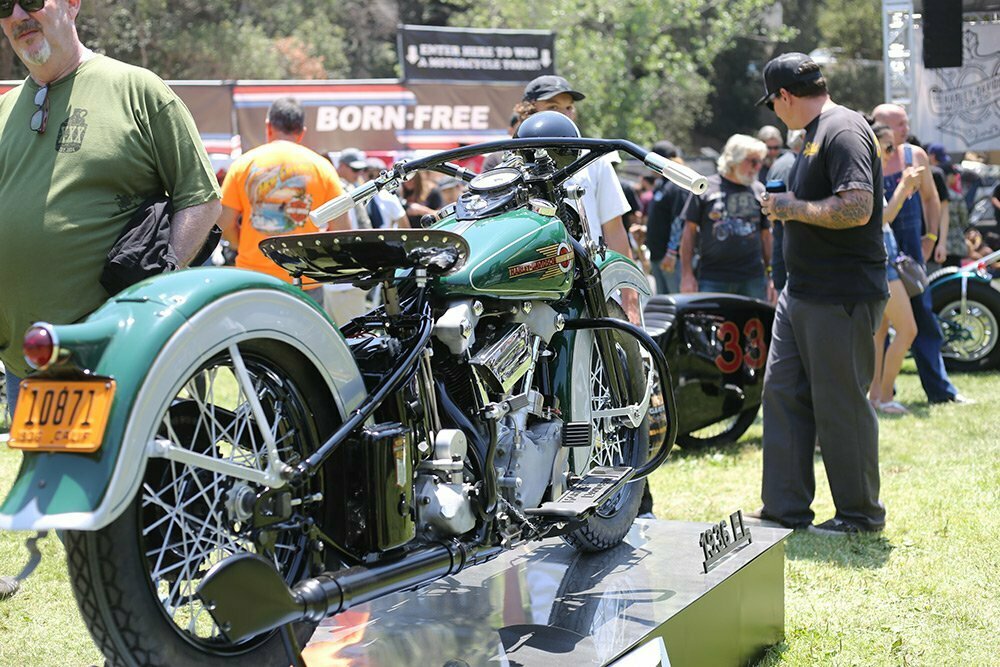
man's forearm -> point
(844, 210)
(190, 227)
(616, 238)
(932, 212)
(687, 252)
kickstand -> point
(34, 555)
(292, 646)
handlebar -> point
(683, 176)
(338, 206)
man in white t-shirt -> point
(604, 201)
(391, 213)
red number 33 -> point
(733, 355)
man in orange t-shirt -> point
(270, 190)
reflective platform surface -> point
(546, 604)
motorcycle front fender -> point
(962, 275)
(146, 338)
(572, 380)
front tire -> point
(135, 580)
(971, 336)
(615, 443)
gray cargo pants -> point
(819, 369)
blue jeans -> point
(666, 283)
(926, 347)
(755, 288)
(13, 384)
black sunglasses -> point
(40, 118)
(769, 102)
(7, 6)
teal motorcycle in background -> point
(968, 308)
(229, 467)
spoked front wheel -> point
(135, 580)
(970, 325)
(616, 442)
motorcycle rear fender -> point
(147, 338)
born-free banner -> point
(382, 115)
(472, 55)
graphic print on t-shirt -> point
(278, 199)
(735, 215)
(72, 131)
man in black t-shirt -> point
(662, 220)
(822, 355)
(733, 237)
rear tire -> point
(972, 336)
(615, 444)
(135, 579)
(723, 432)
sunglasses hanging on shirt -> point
(40, 118)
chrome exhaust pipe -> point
(246, 596)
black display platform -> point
(547, 605)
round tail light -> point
(41, 347)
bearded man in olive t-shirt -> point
(85, 140)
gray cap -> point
(548, 86)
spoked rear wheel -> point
(135, 580)
(615, 443)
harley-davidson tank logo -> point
(556, 259)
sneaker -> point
(764, 518)
(840, 528)
(646, 515)
(958, 399)
(8, 586)
(892, 408)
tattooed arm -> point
(851, 208)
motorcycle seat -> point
(663, 310)
(367, 254)
(659, 314)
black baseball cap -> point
(548, 86)
(666, 148)
(787, 70)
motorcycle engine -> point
(501, 349)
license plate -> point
(61, 416)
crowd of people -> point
(802, 228)
(722, 240)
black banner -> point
(468, 54)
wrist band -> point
(932, 237)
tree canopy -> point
(688, 70)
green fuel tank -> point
(516, 255)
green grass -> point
(925, 592)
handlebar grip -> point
(683, 176)
(332, 209)
(337, 207)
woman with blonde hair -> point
(898, 313)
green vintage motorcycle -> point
(229, 467)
